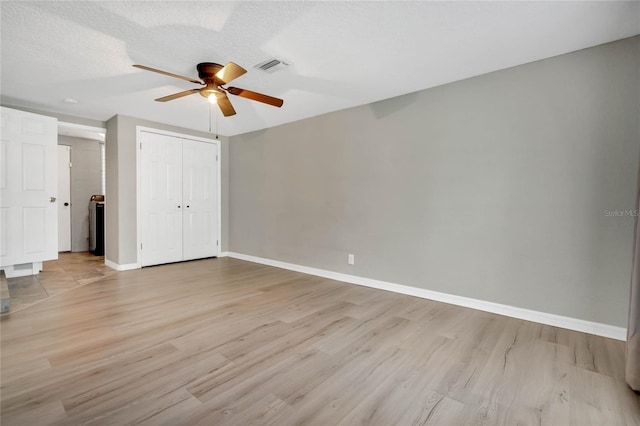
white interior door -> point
(64, 198)
(200, 199)
(161, 198)
(28, 188)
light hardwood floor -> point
(223, 341)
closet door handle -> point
(178, 206)
(187, 206)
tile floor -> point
(69, 271)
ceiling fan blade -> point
(177, 95)
(255, 96)
(181, 77)
(229, 72)
(225, 106)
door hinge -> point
(140, 146)
(217, 242)
(216, 157)
(70, 164)
(140, 246)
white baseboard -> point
(223, 254)
(569, 323)
(123, 267)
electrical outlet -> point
(351, 259)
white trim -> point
(118, 267)
(223, 254)
(83, 131)
(216, 142)
(569, 323)
(138, 200)
(67, 125)
(174, 134)
(219, 165)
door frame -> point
(216, 142)
(92, 129)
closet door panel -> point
(161, 203)
(200, 199)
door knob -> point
(66, 204)
(52, 199)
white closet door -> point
(161, 202)
(200, 199)
(28, 188)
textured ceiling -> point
(343, 54)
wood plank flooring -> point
(223, 341)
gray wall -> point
(121, 197)
(112, 178)
(493, 188)
(86, 180)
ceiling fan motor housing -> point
(207, 72)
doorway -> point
(87, 177)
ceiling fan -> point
(213, 77)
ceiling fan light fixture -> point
(210, 92)
(213, 77)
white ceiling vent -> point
(272, 65)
